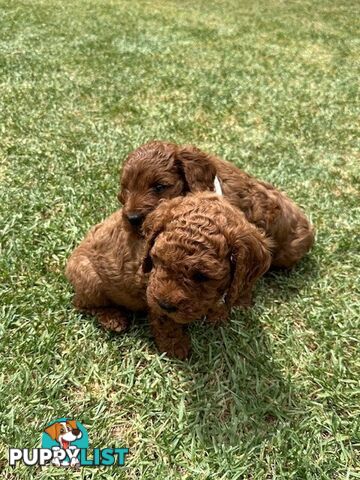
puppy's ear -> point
(250, 258)
(196, 167)
(72, 424)
(53, 431)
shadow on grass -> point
(284, 284)
(237, 395)
(238, 392)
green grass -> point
(269, 85)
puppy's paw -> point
(245, 301)
(113, 320)
(218, 316)
(182, 349)
(175, 347)
(179, 349)
(170, 337)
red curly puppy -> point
(200, 257)
(159, 170)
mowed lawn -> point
(272, 86)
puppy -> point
(204, 257)
(105, 271)
(160, 170)
(199, 257)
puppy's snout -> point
(135, 219)
(168, 307)
(76, 432)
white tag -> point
(217, 186)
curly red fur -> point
(183, 169)
(199, 257)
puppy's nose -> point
(76, 431)
(167, 306)
(135, 219)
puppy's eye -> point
(159, 187)
(62, 430)
(200, 277)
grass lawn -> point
(272, 86)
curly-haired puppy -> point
(200, 256)
(159, 170)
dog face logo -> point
(64, 432)
(65, 435)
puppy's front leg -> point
(218, 315)
(112, 319)
(170, 337)
(245, 299)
